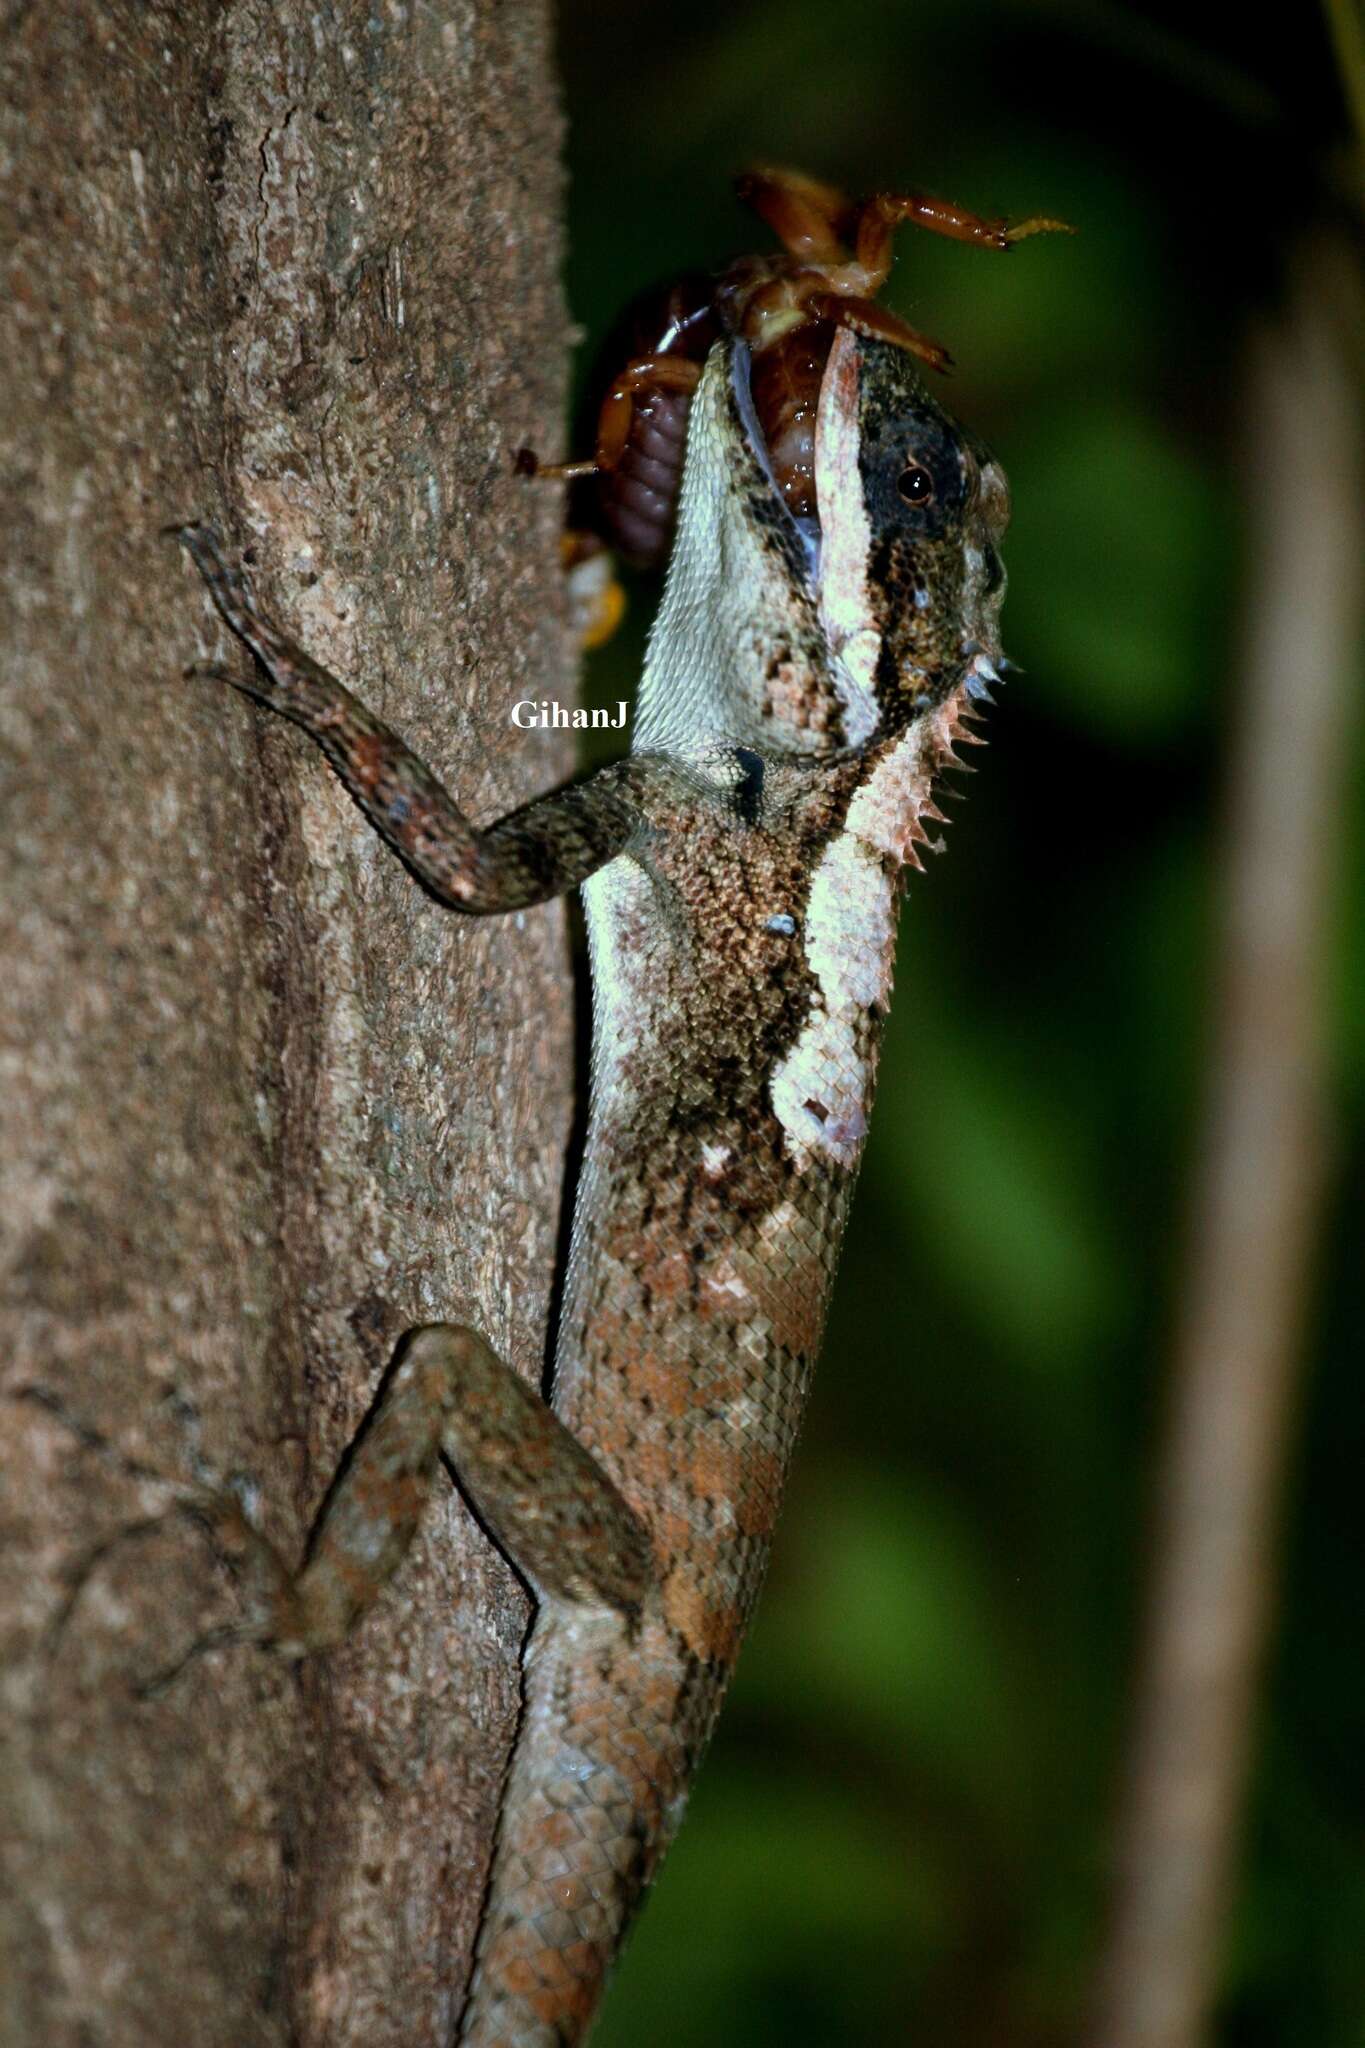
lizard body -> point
(743, 868)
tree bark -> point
(264, 1105)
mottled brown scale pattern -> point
(794, 697)
(701, 1273)
(742, 878)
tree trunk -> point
(264, 1104)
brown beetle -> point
(835, 258)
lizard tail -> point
(593, 1797)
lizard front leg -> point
(542, 850)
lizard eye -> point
(915, 484)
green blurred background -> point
(901, 1833)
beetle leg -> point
(808, 217)
(867, 317)
(638, 379)
(880, 216)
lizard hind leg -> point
(553, 1511)
(600, 1756)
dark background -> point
(903, 1828)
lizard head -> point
(912, 510)
(811, 635)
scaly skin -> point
(705, 1249)
(743, 872)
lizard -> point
(805, 683)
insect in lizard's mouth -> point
(805, 526)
